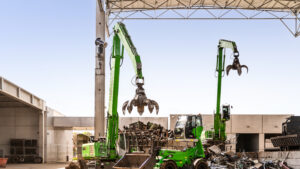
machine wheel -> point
(21, 160)
(14, 159)
(201, 165)
(82, 164)
(38, 160)
(168, 165)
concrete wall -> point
(59, 139)
(70, 122)
(244, 124)
(257, 123)
(60, 145)
(19, 123)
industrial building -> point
(22, 116)
(26, 116)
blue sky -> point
(47, 47)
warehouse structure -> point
(22, 116)
(26, 116)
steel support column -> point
(100, 74)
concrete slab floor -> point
(36, 166)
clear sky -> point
(47, 47)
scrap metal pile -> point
(142, 137)
(217, 159)
(73, 165)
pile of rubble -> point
(73, 165)
(217, 159)
(141, 137)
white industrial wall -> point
(59, 139)
(19, 123)
(260, 124)
(59, 145)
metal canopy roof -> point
(286, 11)
(274, 5)
(13, 96)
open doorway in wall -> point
(247, 143)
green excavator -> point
(103, 151)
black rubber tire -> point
(201, 165)
(82, 164)
(168, 165)
(21, 160)
(38, 160)
(14, 160)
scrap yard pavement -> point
(36, 166)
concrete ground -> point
(36, 166)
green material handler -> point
(188, 130)
(220, 120)
(104, 149)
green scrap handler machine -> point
(218, 134)
(103, 152)
(189, 128)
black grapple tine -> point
(228, 68)
(140, 109)
(150, 106)
(239, 70)
(155, 104)
(124, 106)
(244, 66)
(130, 107)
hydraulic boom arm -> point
(122, 34)
(122, 40)
(220, 122)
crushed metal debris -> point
(217, 159)
(73, 165)
(142, 137)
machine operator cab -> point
(225, 116)
(226, 112)
(185, 125)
